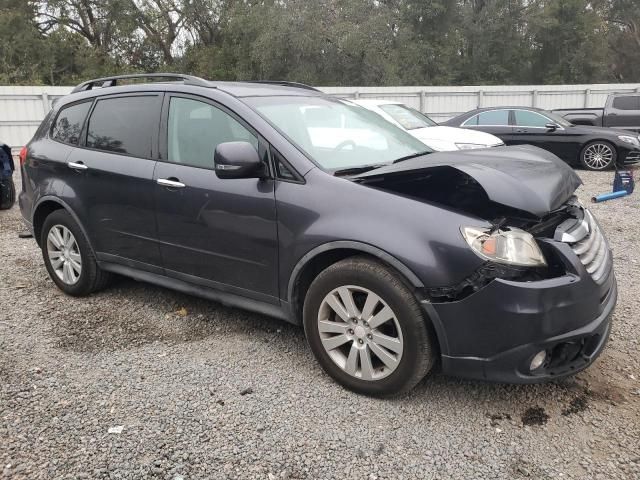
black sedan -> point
(595, 148)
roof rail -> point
(287, 84)
(113, 81)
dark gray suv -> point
(282, 200)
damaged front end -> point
(523, 211)
(539, 313)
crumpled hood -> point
(523, 177)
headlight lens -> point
(469, 146)
(511, 247)
(631, 140)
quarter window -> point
(628, 102)
(125, 125)
(526, 118)
(197, 128)
(69, 123)
(490, 118)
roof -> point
(257, 89)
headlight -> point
(629, 139)
(511, 247)
(469, 146)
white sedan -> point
(439, 138)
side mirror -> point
(551, 126)
(237, 160)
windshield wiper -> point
(413, 155)
(355, 170)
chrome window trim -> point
(560, 127)
(464, 124)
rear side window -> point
(125, 125)
(627, 103)
(196, 128)
(492, 118)
(69, 122)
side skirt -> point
(228, 299)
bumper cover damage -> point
(568, 317)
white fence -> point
(23, 108)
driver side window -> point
(196, 128)
(526, 118)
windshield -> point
(337, 134)
(563, 122)
(407, 117)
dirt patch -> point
(99, 328)
(534, 416)
(577, 405)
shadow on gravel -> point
(131, 314)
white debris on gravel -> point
(70, 366)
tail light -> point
(23, 156)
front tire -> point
(68, 256)
(598, 156)
(366, 328)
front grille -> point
(587, 241)
(591, 248)
(632, 157)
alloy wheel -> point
(64, 254)
(360, 332)
(598, 156)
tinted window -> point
(197, 128)
(626, 103)
(491, 118)
(525, 118)
(69, 123)
(124, 125)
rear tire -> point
(598, 156)
(68, 256)
(7, 193)
(354, 343)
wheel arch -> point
(327, 254)
(322, 256)
(47, 205)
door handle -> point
(521, 131)
(77, 165)
(171, 183)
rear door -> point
(111, 178)
(495, 122)
(217, 233)
(624, 112)
(531, 128)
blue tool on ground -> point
(623, 185)
(623, 181)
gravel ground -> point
(143, 382)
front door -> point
(218, 233)
(531, 128)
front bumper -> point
(630, 156)
(495, 333)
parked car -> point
(390, 256)
(436, 137)
(595, 148)
(621, 111)
(7, 188)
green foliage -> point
(324, 42)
